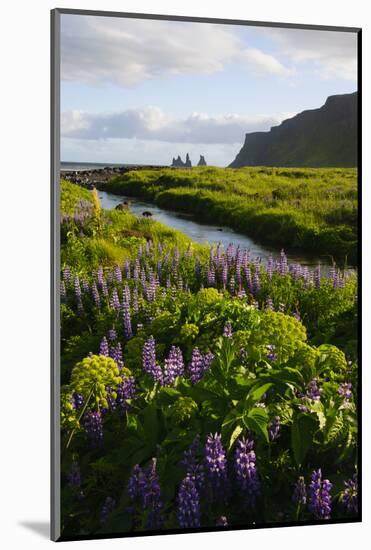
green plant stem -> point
(80, 417)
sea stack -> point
(202, 161)
(188, 163)
(178, 163)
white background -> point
(25, 265)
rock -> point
(202, 161)
(178, 163)
(188, 163)
(122, 206)
(147, 214)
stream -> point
(210, 234)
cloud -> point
(332, 53)
(127, 52)
(151, 123)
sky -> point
(145, 91)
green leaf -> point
(228, 424)
(167, 396)
(257, 420)
(286, 375)
(255, 394)
(236, 432)
(303, 429)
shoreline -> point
(91, 177)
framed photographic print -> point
(205, 305)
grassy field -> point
(199, 388)
(312, 210)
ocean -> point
(67, 166)
(79, 166)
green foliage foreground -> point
(198, 388)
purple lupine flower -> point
(189, 455)
(256, 283)
(222, 522)
(282, 266)
(274, 430)
(104, 288)
(269, 304)
(215, 464)
(151, 497)
(227, 332)
(150, 365)
(93, 425)
(104, 348)
(199, 365)
(349, 497)
(76, 284)
(270, 268)
(313, 391)
(136, 483)
(114, 301)
(112, 335)
(107, 509)
(77, 401)
(66, 273)
(334, 276)
(207, 360)
(100, 276)
(159, 269)
(211, 276)
(95, 294)
(85, 285)
(299, 496)
(188, 504)
(62, 291)
(232, 284)
(191, 465)
(136, 271)
(345, 391)
(198, 268)
(118, 274)
(174, 366)
(195, 367)
(128, 331)
(125, 390)
(127, 269)
(319, 498)
(271, 353)
(317, 277)
(116, 353)
(74, 476)
(224, 273)
(246, 471)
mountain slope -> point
(319, 137)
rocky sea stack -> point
(324, 137)
(178, 163)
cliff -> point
(315, 138)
